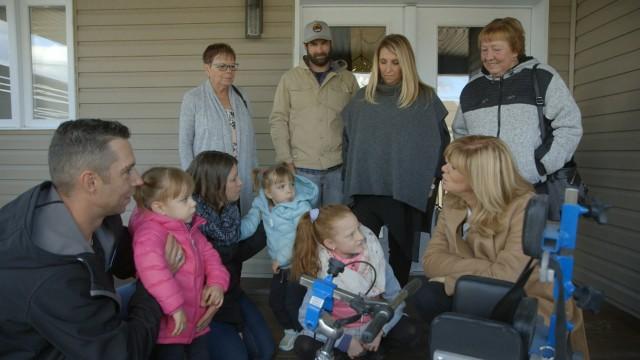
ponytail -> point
(161, 184)
(305, 249)
(311, 234)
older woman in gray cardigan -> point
(215, 116)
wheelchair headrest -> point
(477, 295)
(535, 220)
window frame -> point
(14, 66)
(20, 60)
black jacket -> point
(58, 298)
(233, 256)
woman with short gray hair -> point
(215, 116)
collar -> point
(523, 62)
(55, 230)
(388, 90)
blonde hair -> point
(487, 164)
(508, 29)
(411, 87)
(264, 179)
(162, 184)
(309, 237)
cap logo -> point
(317, 27)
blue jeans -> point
(329, 183)
(223, 340)
(256, 342)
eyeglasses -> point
(226, 67)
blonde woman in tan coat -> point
(479, 231)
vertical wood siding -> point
(607, 89)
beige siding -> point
(137, 58)
(607, 89)
(134, 61)
(559, 34)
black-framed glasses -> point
(226, 67)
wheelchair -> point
(493, 319)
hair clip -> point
(313, 214)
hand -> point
(212, 296)
(206, 318)
(355, 348)
(275, 267)
(173, 254)
(375, 344)
(180, 321)
(292, 168)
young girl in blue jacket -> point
(282, 200)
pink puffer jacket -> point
(184, 288)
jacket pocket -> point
(301, 98)
(339, 96)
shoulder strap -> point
(539, 102)
(235, 89)
(506, 307)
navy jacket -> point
(58, 297)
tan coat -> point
(448, 257)
(306, 126)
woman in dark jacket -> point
(394, 137)
(238, 329)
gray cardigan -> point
(391, 151)
(204, 126)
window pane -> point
(49, 62)
(356, 45)
(5, 79)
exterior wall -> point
(607, 89)
(559, 35)
(136, 58)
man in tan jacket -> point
(306, 127)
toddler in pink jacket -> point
(189, 296)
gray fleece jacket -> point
(506, 108)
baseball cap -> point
(316, 30)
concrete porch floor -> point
(612, 334)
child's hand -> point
(180, 320)
(212, 296)
(355, 348)
(275, 267)
(206, 318)
(375, 344)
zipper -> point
(499, 105)
(195, 280)
(196, 258)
